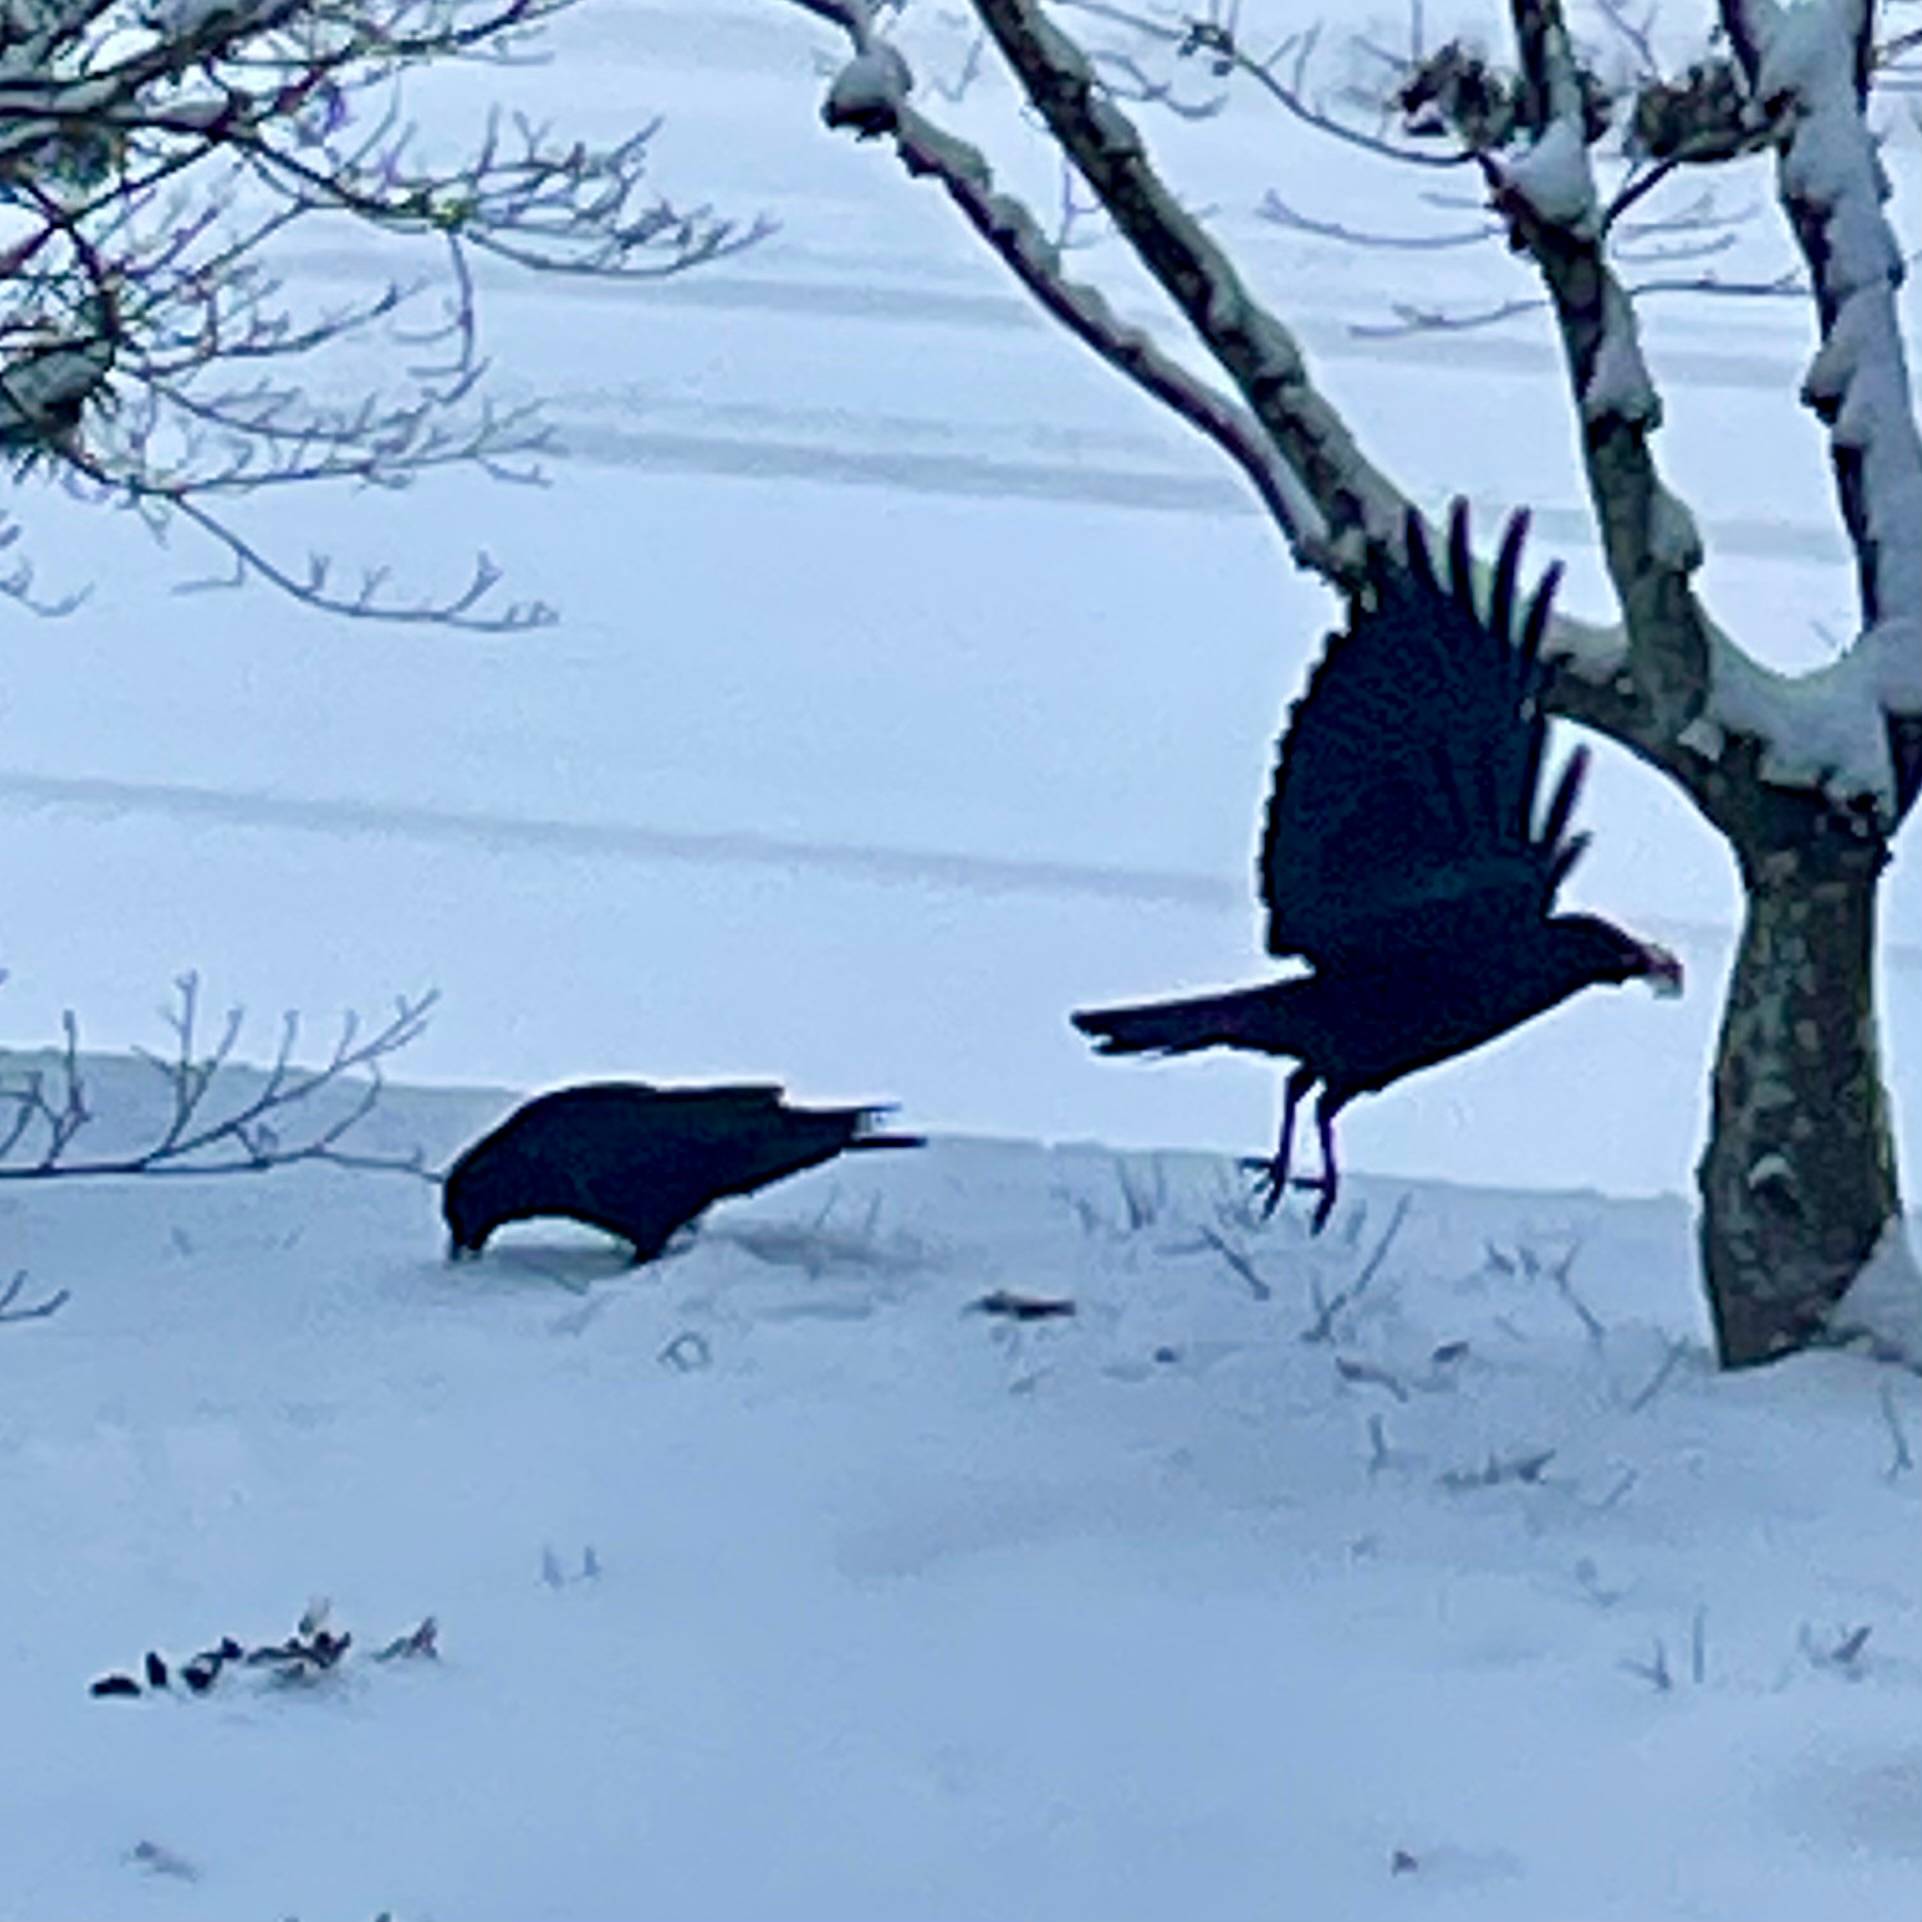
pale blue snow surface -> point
(903, 1611)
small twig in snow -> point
(1326, 1309)
(1493, 1472)
(1592, 1325)
(1368, 1373)
(34, 1311)
(1239, 1262)
(1005, 1302)
(1843, 1656)
(1654, 1671)
(1620, 1487)
(1145, 1201)
(1659, 1380)
(1589, 1579)
(1901, 1460)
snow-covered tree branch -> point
(153, 155)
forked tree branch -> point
(1810, 71)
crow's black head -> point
(471, 1212)
(1598, 951)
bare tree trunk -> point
(1798, 1179)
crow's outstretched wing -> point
(1403, 808)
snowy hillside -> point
(1387, 1576)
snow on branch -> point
(1356, 503)
(153, 154)
(201, 1135)
(1809, 70)
(870, 96)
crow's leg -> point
(1274, 1174)
(1327, 1106)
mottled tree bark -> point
(1798, 1180)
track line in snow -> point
(984, 874)
(341, 816)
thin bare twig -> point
(1238, 1261)
(1671, 1359)
(1273, 208)
(1281, 74)
(247, 1138)
(1323, 1326)
(34, 1311)
(1559, 1273)
(1901, 1460)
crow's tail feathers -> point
(1244, 1019)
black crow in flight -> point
(641, 1162)
(1403, 856)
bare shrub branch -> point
(1238, 1260)
(1328, 1307)
(200, 1137)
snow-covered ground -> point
(1166, 1609)
(915, 684)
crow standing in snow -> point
(641, 1162)
(1403, 858)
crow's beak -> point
(1662, 971)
